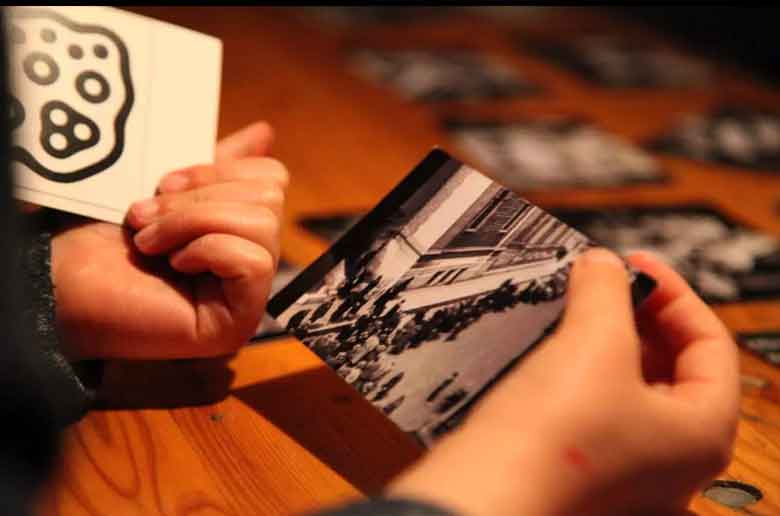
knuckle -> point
(235, 169)
(166, 203)
(261, 264)
(201, 175)
(277, 169)
(172, 202)
(268, 221)
(200, 195)
(207, 241)
(272, 195)
(188, 220)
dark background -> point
(742, 36)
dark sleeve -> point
(68, 388)
(386, 507)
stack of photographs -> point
(737, 136)
(440, 75)
(613, 62)
(724, 261)
(413, 305)
(530, 155)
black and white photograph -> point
(737, 136)
(530, 155)
(765, 345)
(413, 305)
(724, 261)
(269, 328)
(440, 75)
(614, 62)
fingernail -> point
(174, 183)
(600, 255)
(145, 210)
(144, 238)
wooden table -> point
(273, 430)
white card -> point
(104, 103)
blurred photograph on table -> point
(724, 261)
(564, 153)
(441, 75)
(738, 136)
(614, 62)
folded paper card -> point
(104, 103)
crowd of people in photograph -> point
(356, 328)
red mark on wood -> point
(578, 459)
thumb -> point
(253, 140)
(599, 313)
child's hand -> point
(215, 232)
(605, 417)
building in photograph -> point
(451, 241)
(499, 231)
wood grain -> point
(274, 431)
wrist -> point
(61, 300)
(67, 394)
(480, 473)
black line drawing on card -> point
(73, 98)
